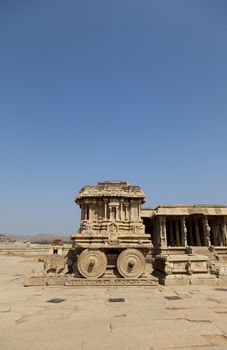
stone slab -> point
(74, 282)
(113, 282)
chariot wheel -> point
(92, 263)
(131, 263)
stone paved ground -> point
(192, 318)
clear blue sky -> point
(109, 90)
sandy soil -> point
(149, 318)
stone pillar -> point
(197, 233)
(184, 232)
(111, 212)
(105, 208)
(171, 233)
(164, 237)
(82, 212)
(100, 210)
(190, 232)
(224, 231)
(122, 214)
(219, 235)
(92, 210)
(88, 211)
(162, 231)
(139, 210)
(214, 231)
(126, 211)
(177, 233)
(133, 216)
(117, 213)
(206, 230)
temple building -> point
(186, 225)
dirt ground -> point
(191, 317)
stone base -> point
(74, 282)
(195, 279)
(185, 269)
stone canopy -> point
(115, 189)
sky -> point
(95, 90)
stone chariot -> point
(111, 241)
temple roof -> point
(185, 210)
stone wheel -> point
(131, 263)
(92, 263)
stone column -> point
(214, 231)
(206, 230)
(219, 235)
(105, 208)
(177, 233)
(222, 235)
(171, 233)
(139, 210)
(122, 214)
(224, 231)
(162, 231)
(92, 210)
(88, 211)
(82, 212)
(197, 235)
(190, 232)
(184, 231)
(117, 213)
(164, 237)
(111, 212)
(126, 211)
(99, 210)
(133, 211)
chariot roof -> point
(115, 189)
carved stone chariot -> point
(111, 241)
(182, 244)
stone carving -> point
(188, 267)
(213, 251)
(131, 263)
(168, 268)
(188, 250)
(213, 268)
(55, 264)
(92, 263)
(111, 282)
(117, 238)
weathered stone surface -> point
(69, 281)
(183, 280)
(184, 269)
(111, 235)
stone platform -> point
(183, 280)
(185, 269)
(75, 282)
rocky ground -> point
(190, 317)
